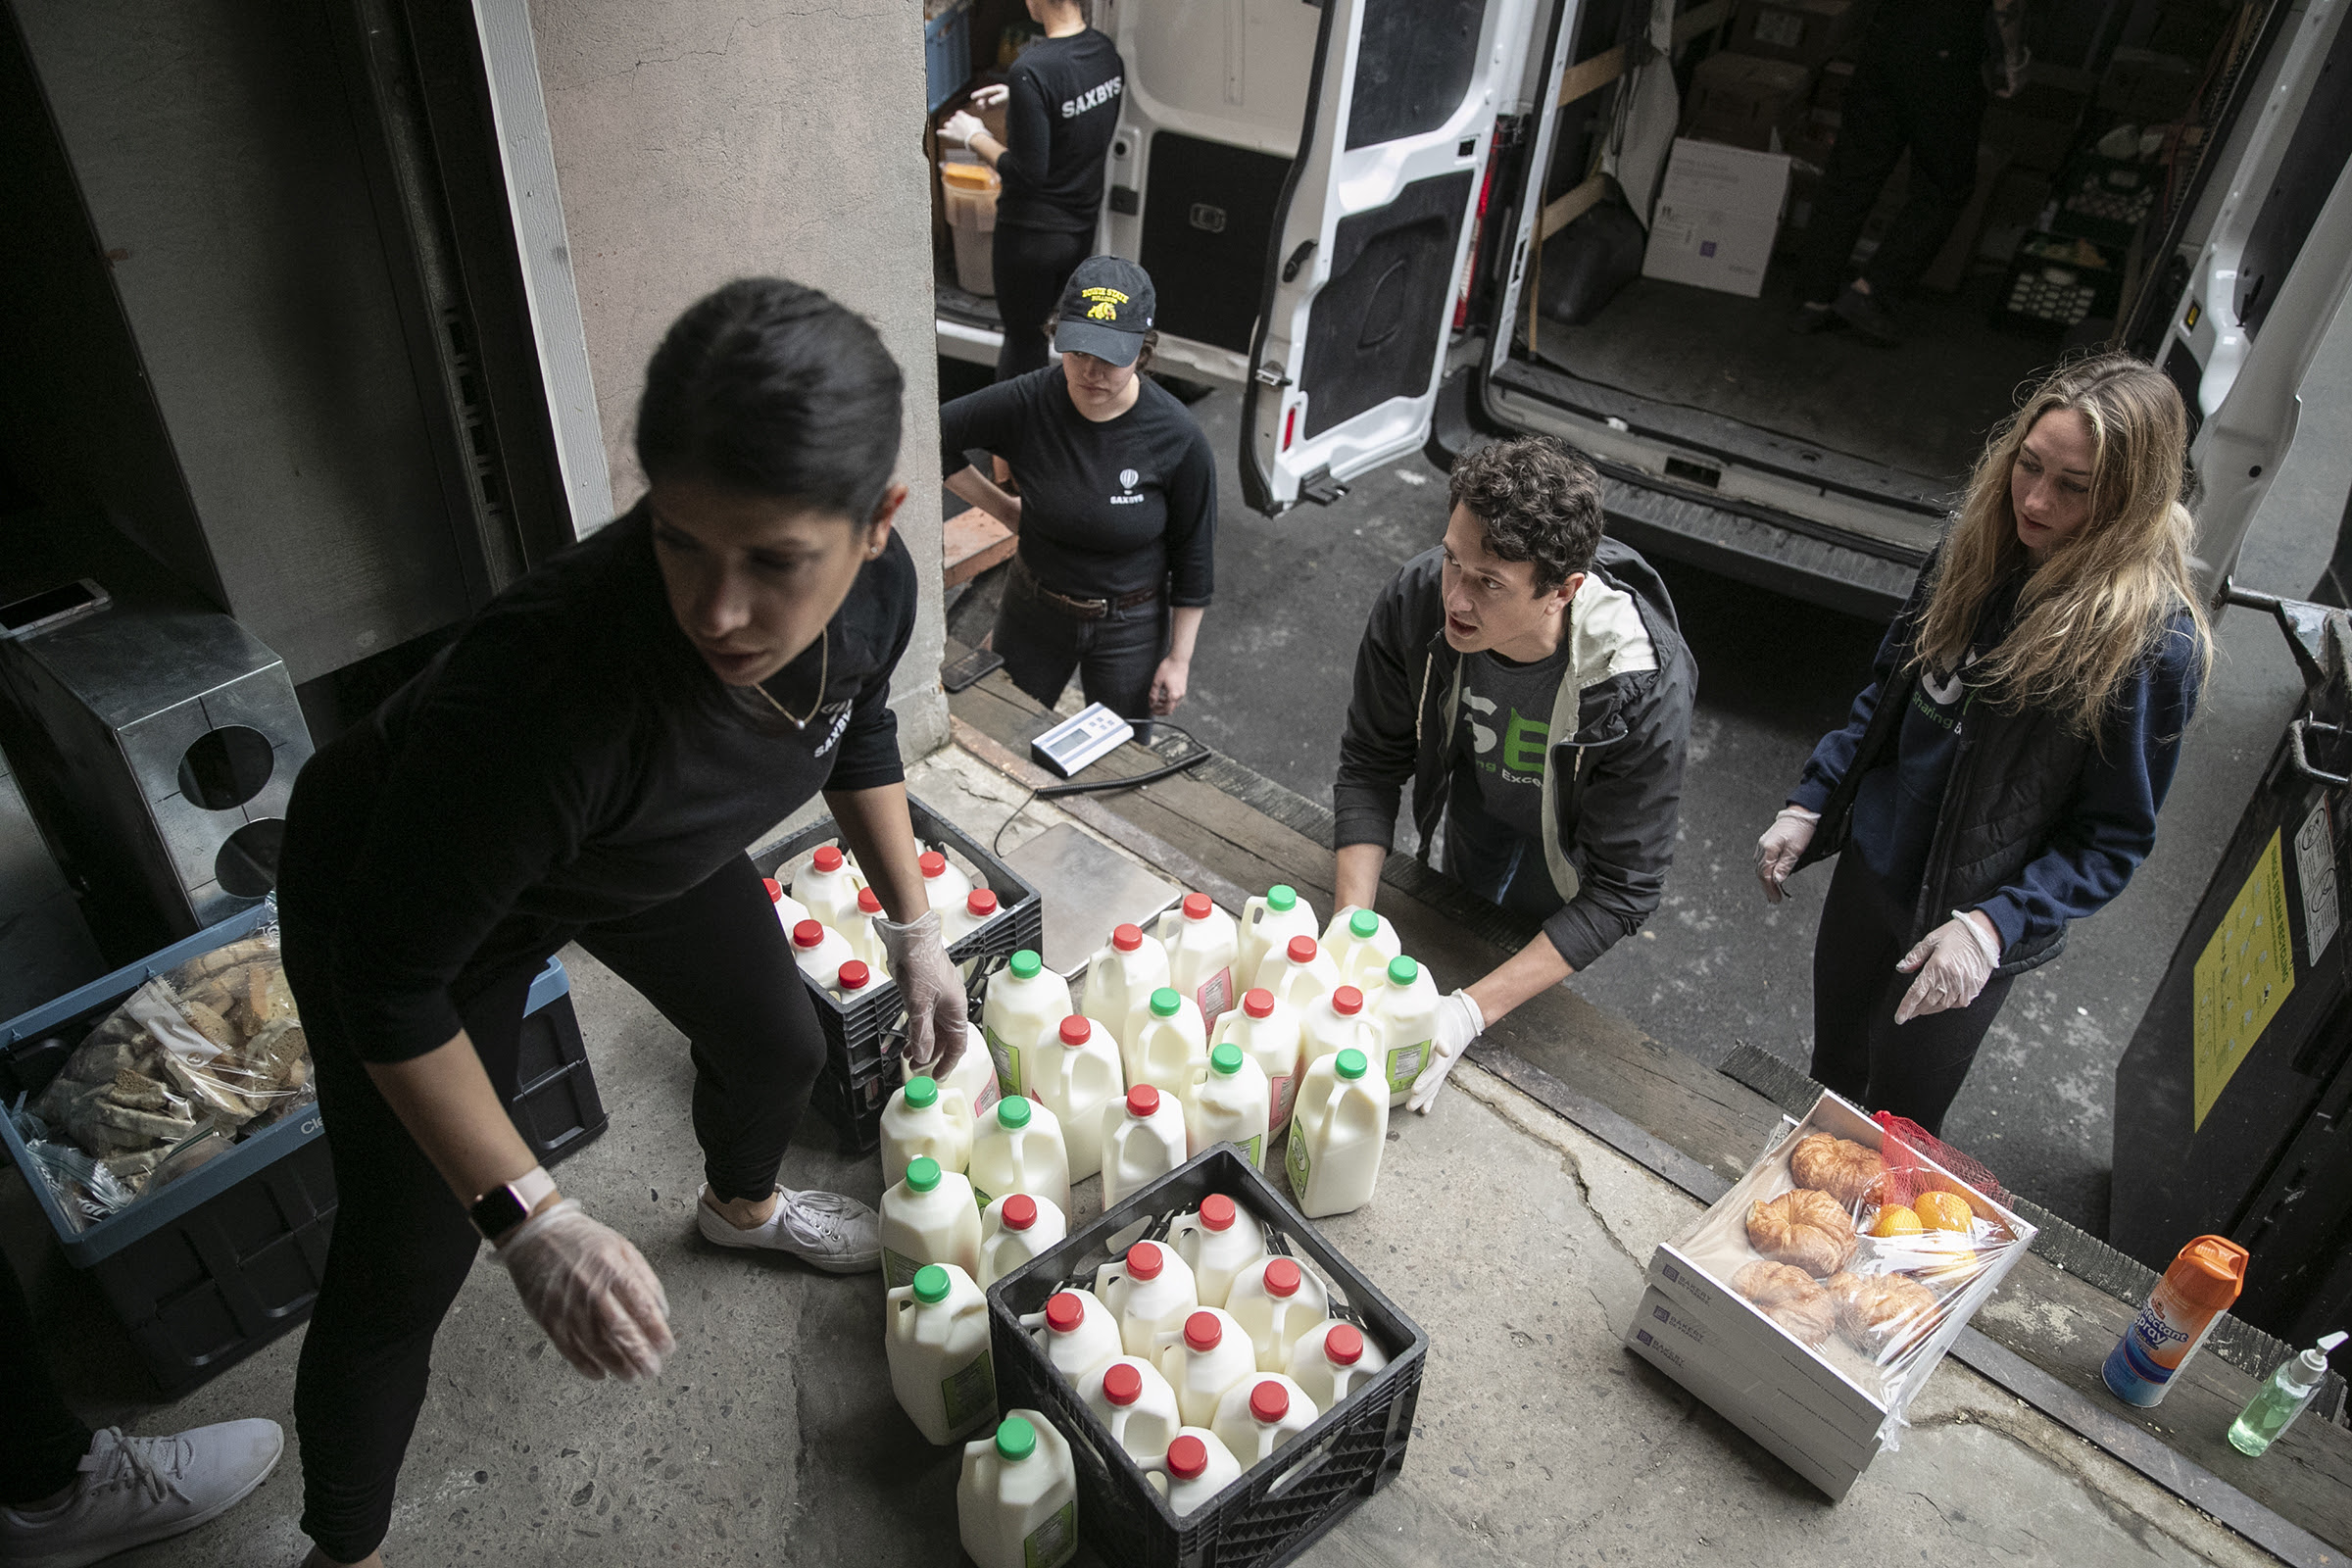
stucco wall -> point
(697, 143)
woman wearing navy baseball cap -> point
(1117, 510)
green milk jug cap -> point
(1012, 1113)
(1364, 924)
(1024, 967)
(1226, 1058)
(922, 1173)
(1165, 1003)
(922, 1093)
(930, 1285)
(1402, 971)
(1352, 1063)
(1016, 1439)
(1282, 898)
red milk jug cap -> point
(1269, 1401)
(826, 860)
(1143, 1101)
(868, 903)
(1127, 938)
(980, 902)
(775, 890)
(1075, 1030)
(1064, 1312)
(1302, 950)
(1188, 1458)
(1346, 1002)
(1282, 1277)
(1197, 906)
(931, 864)
(1144, 1262)
(854, 975)
(1343, 1346)
(1202, 1331)
(1258, 1002)
(1217, 1212)
(1122, 1383)
(808, 934)
(1019, 1212)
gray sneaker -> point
(824, 1229)
(134, 1491)
(1868, 314)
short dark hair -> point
(1539, 502)
(769, 387)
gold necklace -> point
(824, 669)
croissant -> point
(1803, 1227)
(1880, 1313)
(1847, 1170)
(1790, 1297)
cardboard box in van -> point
(1744, 100)
(1804, 32)
(1718, 210)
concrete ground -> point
(1516, 1241)
(1716, 965)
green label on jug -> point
(897, 1269)
(1008, 1062)
(1297, 1161)
(1404, 1065)
(1050, 1544)
(971, 1394)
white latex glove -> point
(1778, 849)
(1954, 962)
(992, 96)
(933, 990)
(960, 128)
(1459, 1023)
(600, 1302)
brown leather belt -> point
(1085, 608)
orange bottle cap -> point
(2209, 1272)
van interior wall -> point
(1924, 407)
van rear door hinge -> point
(1320, 487)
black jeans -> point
(1114, 656)
(714, 961)
(41, 1444)
(1032, 266)
(1931, 102)
(1915, 1069)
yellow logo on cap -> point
(1107, 303)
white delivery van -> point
(1343, 207)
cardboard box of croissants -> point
(1861, 1244)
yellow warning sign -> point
(2243, 975)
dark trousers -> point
(1499, 865)
(41, 1444)
(1914, 1069)
(1114, 656)
(714, 961)
(1032, 266)
(1930, 101)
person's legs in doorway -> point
(1871, 137)
(1040, 643)
(1032, 266)
(1945, 116)
(1120, 653)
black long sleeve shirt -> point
(1109, 507)
(571, 760)
(1062, 107)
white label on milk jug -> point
(1055, 1539)
(1297, 1161)
(1008, 1062)
(1404, 1065)
(1215, 995)
(1252, 1149)
(970, 1391)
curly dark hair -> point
(1539, 501)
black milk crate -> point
(1275, 1510)
(866, 1031)
(554, 1105)
(2056, 281)
(852, 1104)
(2105, 199)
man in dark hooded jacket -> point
(1529, 678)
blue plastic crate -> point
(947, 54)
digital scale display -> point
(1092, 735)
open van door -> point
(1369, 238)
(2260, 263)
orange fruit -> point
(1944, 1211)
(1896, 1221)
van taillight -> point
(1289, 426)
(1478, 235)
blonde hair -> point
(2092, 612)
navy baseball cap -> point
(1107, 307)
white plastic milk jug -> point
(920, 1120)
(819, 951)
(1143, 1140)
(1216, 1243)
(1269, 1032)
(1150, 1291)
(938, 1349)
(852, 980)
(1336, 1135)
(1207, 1356)
(1119, 981)
(1203, 947)
(974, 1075)
(1014, 1229)
(828, 888)
(1133, 1403)
(790, 912)
(1262, 1414)
(1268, 922)
(1076, 1331)
(863, 939)
(1026, 1004)
(1334, 1023)
(1332, 1360)
(1198, 1467)
(944, 882)
(928, 1217)
(1171, 1048)
(1076, 1076)
(1229, 1106)
(979, 907)
(1275, 1302)
(1017, 1500)
(1403, 1008)
(1018, 1148)
(1299, 973)
(1362, 942)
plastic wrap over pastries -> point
(1847, 1171)
(1804, 1227)
(1881, 1312)
(1790, 1297)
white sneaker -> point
(136, 1490)
(837, 1234)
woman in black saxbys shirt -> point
(1118, 506)
(587, 762)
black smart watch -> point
(498, 1212)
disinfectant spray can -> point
(2185, 1304)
